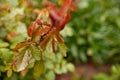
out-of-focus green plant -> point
(114, 75)
(94, 32)
(12, 30)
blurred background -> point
(92, 37)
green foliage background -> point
(94, 32)
(93, 35)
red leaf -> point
(42, 31)
(53, 45)
(59, 38)
(44, 42)
(65, 20)
(18, 46)
(45, 23)
(31, 29)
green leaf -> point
(9, 73)
(17, 39)
(38, 69)
(70, 67)
(3, 44)
(2, 68)
(31, 63)
(36, 53)
(6, 55)
(13, 2)
(49, 64)
(3, 32)
(58, 69)
(67, 31)
(49, 46)
(48, 53)
(50, 75)
(59, 58)
(63, 49)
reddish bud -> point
(39, 22)
(55, 16)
